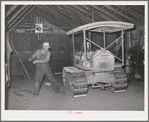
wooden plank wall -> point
(27, 43)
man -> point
(41, 59)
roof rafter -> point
(118, 12)
(16, 14)
(66, 14)
(134, 14)
(20, 16)
(22, 19)
(70, 12)
(89, 12)
(52, 19)
(106, 13)
(83, 15)
(93, 13)
(52, 14)
(16, 27)
(101, 14)
(60, 16)
(137, 8)
(10, 10)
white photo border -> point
(65, 115)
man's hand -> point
(29, 59)
(34, 62)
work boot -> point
(36, 92)
(35, 95)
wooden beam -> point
(118, 12)
(72, 13)
(82, 14)
(105, 14)
(16, 14)
(92, 11)
(20, 59)
(84, 37)
(52, 20)
(140, 8)
(22, 15)
(64, 20)
(52, 16)
(132, 13)
(90, 14)
(138, 19)
(22, 19)
(65, 16)
(101, 15)
(78, 15)
(10, 10)
(14, 28)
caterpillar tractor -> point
(95, 65)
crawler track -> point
(77, 83)
(121, 82)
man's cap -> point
(46, 44)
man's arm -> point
(33, 56)
(43, 60)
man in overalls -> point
(41, 59)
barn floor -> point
(21, 99)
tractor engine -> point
(105, 74)
(103, 64)
(103, 61)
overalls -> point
(41, 70)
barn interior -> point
(27, 27)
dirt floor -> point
(20, 97)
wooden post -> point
(8, 54)
(20, 60)
(104, 39)
(129, 40)
(89, 42)
(122, 48)
(84, 34)
(92, 10)
(73, 48)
